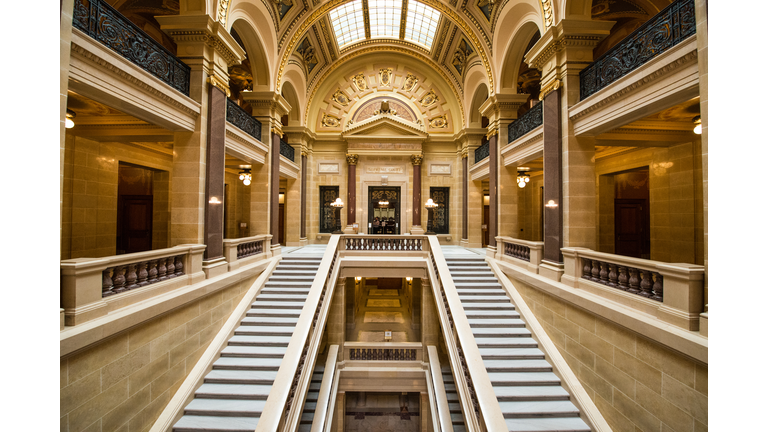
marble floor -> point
(383, 309)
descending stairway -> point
(454, 406)
(233, 394)
(310, 403)
(529, 393)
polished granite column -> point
(493, 190)
(465, 196)
(416, 228)
(213, 256)
(303, 235)
(351, 192)
(274, 189)
(553, 180)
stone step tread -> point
(454, 407)
(225, 407)
(457, 418)
(483, 298)
(491, 314)
(516, 342)
(452, 267)
(530, 393)
(275, 321)
(477, 284)
(489, 306)
(232, 391)
(254, 351)
(502, 379)
(480, 277)
(264, 330)
(510, 353)
(266, 304)
(241, 376)
(284, 313)
(538, 409)
(500, 322)
(288, 284)
(285, 290)
(312, 396)
(293, 273)
(299, 266)
(514, 365)
(190, 423)
(247, 363)
(281, 276)
(282, 297)
(562, 424)
(480, 291)
(260, 340)
(497, 332)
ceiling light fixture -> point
(245, 176)
(522, 179)
(697, 122)
(69, 123)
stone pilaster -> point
(416, 161)
(464, 194)
(297, 137)
(469, 139)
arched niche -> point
(517, 24)
(254, 26)
(288, 91)
(478, 93)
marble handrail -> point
(326, 395)
(383, 351)
(523, 253)
(237, 250)
(443, 417)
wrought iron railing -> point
(103, 23)
(287, 151)
(665, 30)
(529, 121)
(482, 152)
(242, 120)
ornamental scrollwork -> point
(529, 121)
(340, 98)
(429, 99)
(440, 122)
(330, 121)
(242, 120)
(385, 77)
(409, 82)
(360, 82)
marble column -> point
(493, 190)
(274, 189)
(303, 235)
(464, 195)
(351, 192)
(416, 228)
(213, 256)
(553, 212)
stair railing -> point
(283, 408)
(326, 397)
(479, 405)
(441, 412)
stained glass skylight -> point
(347, 22)
(385, 17)
(421, 23)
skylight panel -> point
(347, 22)
(385, 17)
(421, 23)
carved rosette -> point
(352, 159)
(340, 98)
(360, 82)
(330, 121)
(439, 122)
(409, 82)
(429, 99)
(385, 77)
(416, 159)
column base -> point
(349, 229)
(552, 270)
(215, 267)
(464, 243)
(303, 241)
(417, 230)
(276, 251)
(490, 251)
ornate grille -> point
(103, 23)
(242, 120)
(328, 194)
(526, 123)
(440, 215)
(483, 151)
(665, 30)
(287, 151)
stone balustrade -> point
(673, 292)
(522, 253)
(384, 351)
(376, 243)
(93, 287)
(246, 250)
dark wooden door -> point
(134, 223)
(281, 225)
(486, 222)
(629, 220)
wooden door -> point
(134, 223)
(281, 225)
(486, 222)
(629, 221)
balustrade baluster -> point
(646, 285)
(586, 272)
(595, 271)
(613, 277)
(528, 254)
(179, 265)
(130, 277)
(118, 280)
(604, 273)
(170, 267)
(623, 284)
(106, 283)
(634, 281)
(658, 287)
(142, 274)
(152, 271)
(161, 269)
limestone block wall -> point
(123, 383)
(238, 205)
(452, 180)
(529, 210)
(315, 180)
(259, 200)
(89, 207)
(161, 209)
(637, 384)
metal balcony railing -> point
(242, 120)
(287, 151)
(482, 152)
(529, 121)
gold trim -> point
(464, 153)
(366, 20)
(491, 133)
(276, 131)
(217, 82)
(352, 159)
(417, 159)
(554, 85)
(403, 13)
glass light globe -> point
(68, 123)
(242, 176)
(521, 184)
(247, 182)
(697, 129)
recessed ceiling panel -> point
(347, 22)
(385, 17)
(421, 23)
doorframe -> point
(405, 225)
(398, 212)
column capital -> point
(417, 159)
(267, 103)
(352, 159)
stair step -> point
(500, 332)
(270, 304)
(535, 365)
(239, 363)
(497, 322)
(491, 314)
(480, 291)
(260, 341)
(225, 407)
(240, 377)
(517, 342)
(489, 306)
(271, 321)
(286, 290)
(539, 409)
(284, 313)
(523, 378)
(254, 351)
(530, 393)
(483, 298)
(281, 297)
(189, 423)
(264, 330)
(511, 353)
(234, 391)
(565, 424)
(494, 284)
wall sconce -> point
(69, 122)
(430, 206)
(358, 278)
(522, 179)
(214, 200)
(245, 176)
(338, 204)
(551, 204)
(697, 122)
(409, 279)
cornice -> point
(370, 123)
(116, 70)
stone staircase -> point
(310, 403)
(233, 394)
(529, 393)
(454, 406)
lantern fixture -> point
(522, 179)
(697, 122)
(69, 123)
(245, 176)
(338, 204)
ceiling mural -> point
(402, 90)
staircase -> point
(310, 403)
(529, 393)
(454, 406)
(233, 394)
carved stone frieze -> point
(385, 77)
(409, 82)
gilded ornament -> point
(385, 77)
(429, 98)
(440, 122)
(330, 121)
(352, 159)
(410, 82)
(549, 88)
(360, 82)
(340, 98)
(416, 159)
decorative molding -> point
(330, 121)
(352, 159)
(340, 98)
(558, 45)
(209, 39)
(409, 82)
(360, 81)
(378, 42)
(429, 98)
(217, 82)
(547, 13)
(439, 168)
(417, 159)
(276, 131)
(439, 122)
(385, 77)
(324, 168)
(491, 133)
(554, 85)
(122, 74)
(403, 15)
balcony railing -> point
(526, 123)
(482, 152)
(665, 30)
(241, 251)
(242, 120)
(287, 151)
(100, 21)
(522, 253)
(384, 351)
